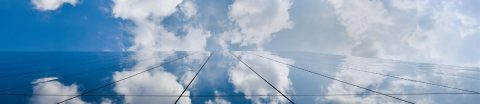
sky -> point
(429, 31)
(432, 31)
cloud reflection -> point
(54, 88)
(248, 83)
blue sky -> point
(83, 27)
(444, 32)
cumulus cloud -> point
(150, 37)
(48, 5)
(247, 82)
(256, 21)
(54, 88)
(142, 10)
(154, 82)
(151, 83)
(419, 30)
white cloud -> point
(360, 16)
(410, 4)
(217, 100)
(106, 101)
(47, 5)
(188, 8)
(347, 74)
(254, 24)
(256, 21)
(149, 37)
(155, 38)
(187, 77)
(154, 82)
(141, 10)
(249, 83)
(54, 88)
(415, 30)
(151, 83)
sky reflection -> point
(224, 78)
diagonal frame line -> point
(408, 79)
(429, 72)
(176, 101)
(335, 79)
(237, 57)
(412, 80)
(108, 84)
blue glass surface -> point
(229, 77)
